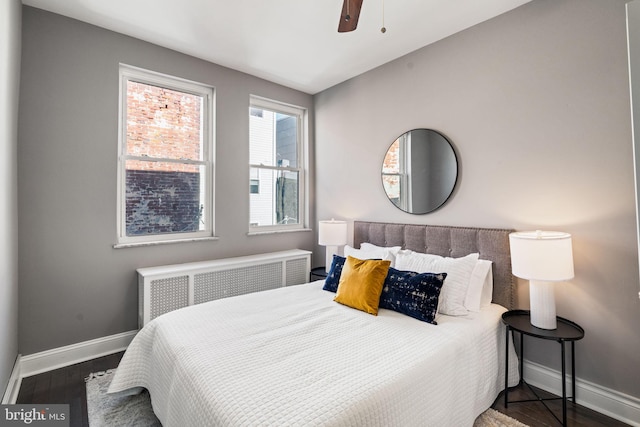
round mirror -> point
(419, 171)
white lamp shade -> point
(332, 233)
(541, 255)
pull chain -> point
(383, 29)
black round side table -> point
(318, 273)
(567, 331)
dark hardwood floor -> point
(536, 414)
(66, 385)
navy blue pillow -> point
(333, 277)
(413, 294)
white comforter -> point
(293, 357)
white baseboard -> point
(48, 360)
(609, 402)
(13, 387)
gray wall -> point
(536, 102)
(73, 285)
(10, 24)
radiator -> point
(166, 288)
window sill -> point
(163, 242)
(260, 233)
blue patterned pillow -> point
(333, 277)
(413, 294)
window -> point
(165, 162)
(277, 140)
(254, 186)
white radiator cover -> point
(170, 287)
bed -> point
(293, 356)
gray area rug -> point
(105, 410)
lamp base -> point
(543, 305)
(329, 250)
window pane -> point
(163, 123)
(276, 203)
(273, 138)
(164, 198)
(254, 186)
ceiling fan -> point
(349, 15)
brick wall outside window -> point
(162, 197)
(162, 123)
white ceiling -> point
(291, 42)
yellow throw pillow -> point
(361, 283)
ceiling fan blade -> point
(349, 15)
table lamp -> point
(542, 257)
(331, 234)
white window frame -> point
(302, 163)
(129, 73)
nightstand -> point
(567, 331)
(318, 273)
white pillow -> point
(480, 286)
(371, 247)
(455, 286)
(487, 290)
(375, 252)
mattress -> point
(294, 357)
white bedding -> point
(293, 357)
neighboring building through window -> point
(165, 158)
(277, 138)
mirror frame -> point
(455, 181)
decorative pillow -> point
(480, 286)
(361, 284)
(455, 286)
(370, 253)
(413, 294)
(333, 276)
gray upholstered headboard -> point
(491, 244)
